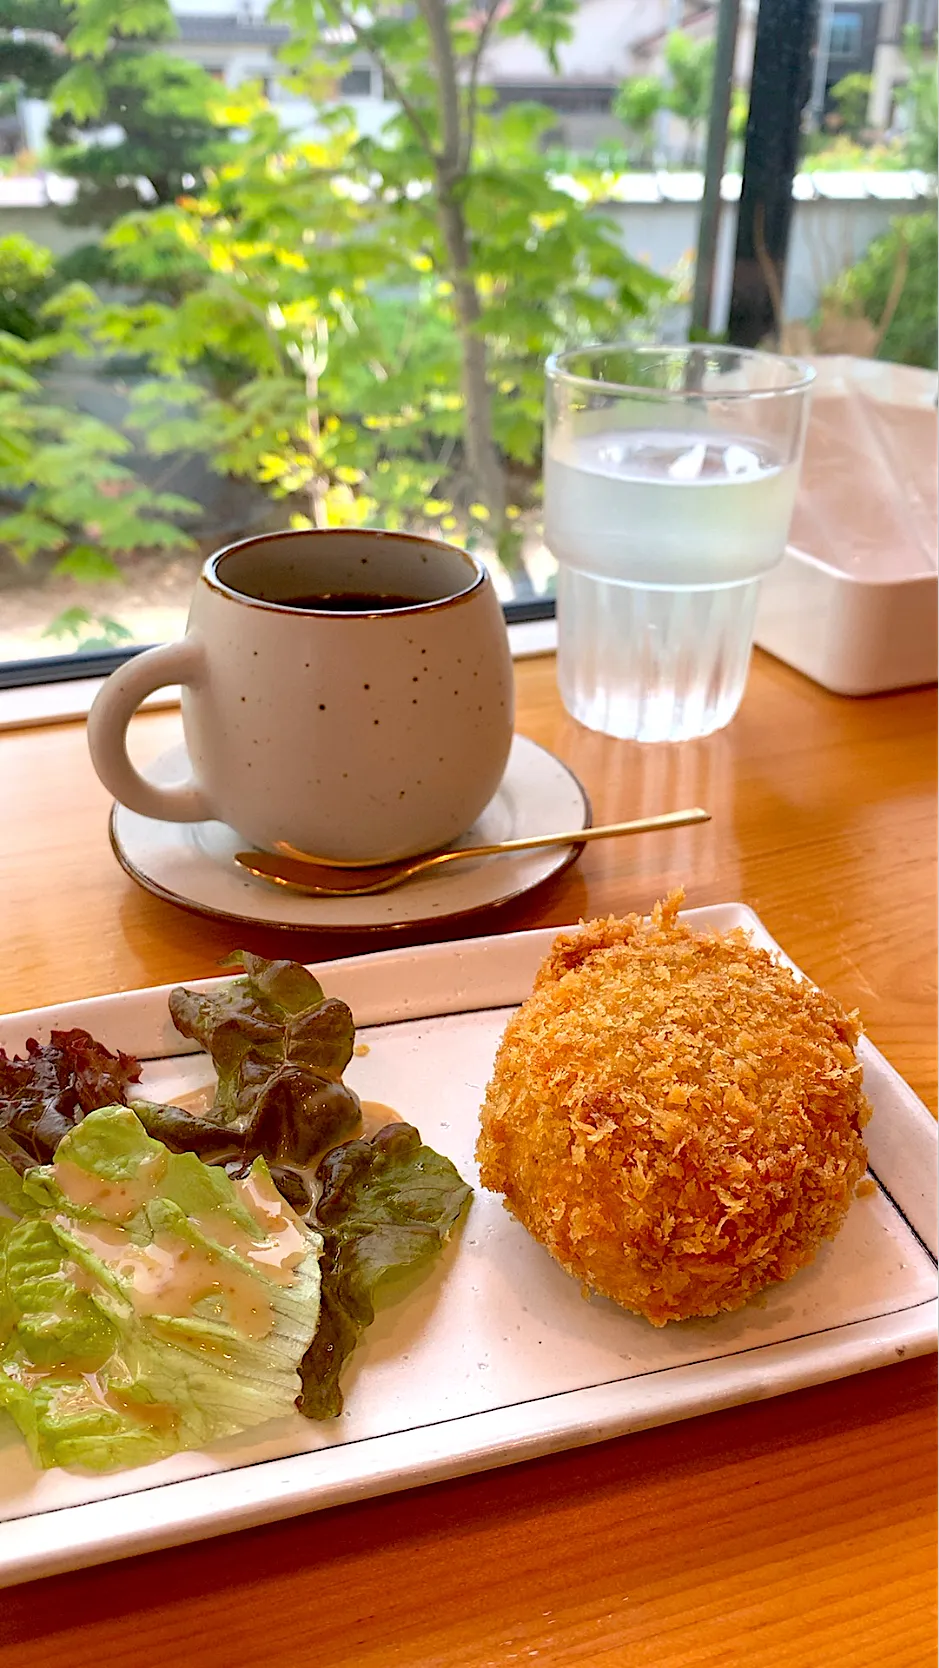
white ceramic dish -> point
(192, 863)
(496, 1356)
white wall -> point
(826, 236)
(601, 49)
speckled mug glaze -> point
(361, 737)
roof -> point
(207, 29)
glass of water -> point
(670, 475)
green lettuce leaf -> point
(280, 1048)
(13, 1196)
(387, 1205)
(148, 1303)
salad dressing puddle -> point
(375, 1115)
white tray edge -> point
(903, 1158)
(175, 1514)
(138, 1020)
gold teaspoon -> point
(318, 877)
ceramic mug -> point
(362, 730)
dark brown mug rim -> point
(211, 578)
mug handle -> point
(114, 707)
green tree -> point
(379, 309)
(894, 285)
(64, 487)
(637, 104)
(27, 279)
(487, 188)
(917, 99)
(112, 77)
(162, 105)
(684, 89)
(68, 489)
(851, 96)
(690, 67)
(360, 324)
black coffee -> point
(349, 602)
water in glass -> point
(661, 536)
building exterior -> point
(888, 64)
(612, 39)
(236, 42)
(852, 39)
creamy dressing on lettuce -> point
(148, 1302)
(117, 1200)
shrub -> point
(870, 286)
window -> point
(844, 40)
(584, 96)
(271, 332)
(357, 83)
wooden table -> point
(792, 1534)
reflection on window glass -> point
(260, 268)
(845, 36)
(357, 83)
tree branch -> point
(434, 13)
(365, 44)
(472, 96)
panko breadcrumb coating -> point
(674, 1116)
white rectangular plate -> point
(495, 1356)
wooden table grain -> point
(797, 1533)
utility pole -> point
(722, 88)
(780, 90)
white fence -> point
(835, 217)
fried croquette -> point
(674, 1115)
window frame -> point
(69, 668)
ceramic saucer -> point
(193, 864)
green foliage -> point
(690, 64)
(685, 90)
(164, 107)
(851, 96)
(63, 486)
(81, 94)
(824, 154)
(359, 324)
(111, 76)
(316, 348)
(917, 99)
(319, 340)
(87, 633)
(688, 94)
(26, 281)
(637, 105)
(866, 288)
(95, 23)
(26, 66)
